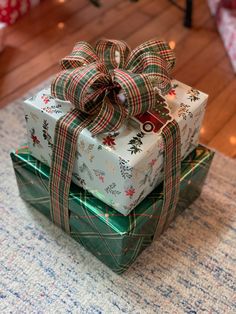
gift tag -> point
(153, 121)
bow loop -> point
(158, 47)
(113, 53)
(155, 68)
(82, 54)
(82, 86)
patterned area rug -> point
(190, 269)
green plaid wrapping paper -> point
(113, 238)
(91, 80)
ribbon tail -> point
(172, 168)
(67, 131)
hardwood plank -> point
(225, 139)
(127, 26)
(169, 24)
(36, 13)
(21, 52)
(207, 59)
(92, 31)
(153, 9)
(217, 79)
(156, 27)
(196, 41)
(218, 112)
(178, 32)
(24, 88)
(48, 58)
(23, 31)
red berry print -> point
(45, 99)
(130, 192)
(109, 141)
(34, 138)
(101, 178)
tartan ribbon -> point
(94, 81)
(172, 171)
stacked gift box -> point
(116, 197)
(225, 12)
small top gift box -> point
(119, 167)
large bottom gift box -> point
(113, 238)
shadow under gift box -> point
(113, 238)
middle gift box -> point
(120, 168)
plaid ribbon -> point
(172, 169)
(92, 80)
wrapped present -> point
(227, 28)
(120, 168)
(225, 12)
(2, 29)
(113, 238)
(10, 11)
(213, 5)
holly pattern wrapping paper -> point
(113, 238)
(120, 168)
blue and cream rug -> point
(190, 269)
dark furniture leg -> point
(188, 10)
(188, 13)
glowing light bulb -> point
(232, 140)
(60, 25)
(202, 131)
(172, 44)
(61, 1)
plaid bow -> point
(93, 80)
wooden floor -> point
(37, 41)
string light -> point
(60, 25)
(172, 44)
(232, 140)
